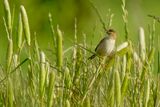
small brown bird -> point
(106, 45)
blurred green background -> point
(64, 13)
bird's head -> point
(111, 33)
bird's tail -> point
(91, 57)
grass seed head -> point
(8, 15)
(25, 25)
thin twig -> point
(155, 17)
(14, 69)
(99, 16)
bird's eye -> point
(110, 31)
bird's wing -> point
(100, 43)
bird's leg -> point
(111, 55)
(102, 61)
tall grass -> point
(126, 79)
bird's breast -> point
(110, 44)
(105, 47)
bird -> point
(106, 45)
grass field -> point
(31, 78)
